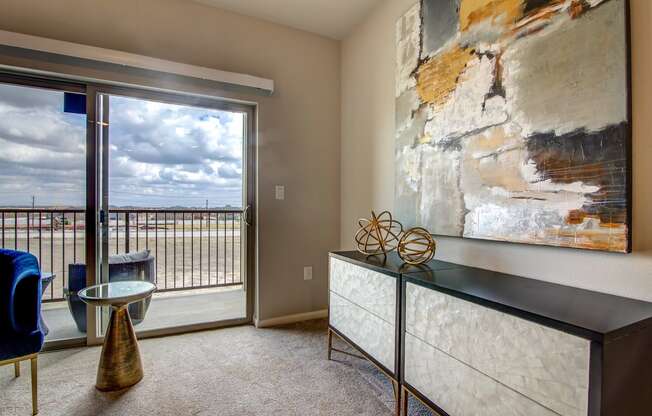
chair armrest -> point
(20, 292)
(25, 306)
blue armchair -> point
(21, 336)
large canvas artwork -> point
(513, 121)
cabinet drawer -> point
(372, 334)
(373, 291)
(460, 390)
(546, 365)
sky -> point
(161, 155)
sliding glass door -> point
(173, 206)
(108, 183)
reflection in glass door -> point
(173, 199)
(43, 190)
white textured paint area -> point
(519, 220)
(408, 45)
(373, 291)
(569, 75)
(546, 365)
(410, 119)
(469, 108)
(441, 206)
(374, 335)
(409, 169)
(459, 389)
(408, 185)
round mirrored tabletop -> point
(116, 293)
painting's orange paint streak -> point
(503, 12)
(609, 220)
(576, 217)
(612, 237)
(539, 17)
(577, 7)
(437, 77)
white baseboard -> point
(290, 319)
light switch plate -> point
(280, 192)
(307, 273)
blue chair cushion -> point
(20, 345)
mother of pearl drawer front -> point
(373, 335)
(460, 390)
(546, 365)
(373, 291)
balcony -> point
(199, 273)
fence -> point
(193, 248)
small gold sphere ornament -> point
(416, 246)
(378, 235)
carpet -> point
(240, 371)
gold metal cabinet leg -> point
(17, 368)
(404, 410)
(330, 343)
(397, 397)
(34, 365)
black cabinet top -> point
(391, 265)
(592, 315)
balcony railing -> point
(193, 248)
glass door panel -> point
(43, 191)
(174, 196)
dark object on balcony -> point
(122, 267)
(21, 337)
(76, 282)
(46, 279)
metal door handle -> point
(245, 216)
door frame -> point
(94, 176)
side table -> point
(120, 365)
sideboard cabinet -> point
(468, 341)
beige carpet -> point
(235, 371)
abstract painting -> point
(513, 121)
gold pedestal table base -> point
(120, 364)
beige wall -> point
(299, 126)
(367, 170)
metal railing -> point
(193, 249)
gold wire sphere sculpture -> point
(378, 235)
(416, 246)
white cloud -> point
(161, 154)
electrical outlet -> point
(280, 192)
(307, 273)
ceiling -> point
(331, 18)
